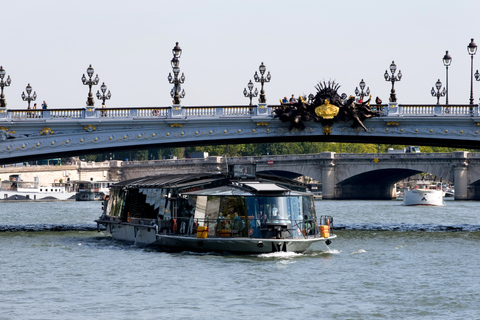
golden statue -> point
(327, 110)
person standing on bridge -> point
(292, 99)
(44, 105)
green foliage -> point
(258, 149)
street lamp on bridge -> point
(90, 82)
(447, 60)
(472, 49)
(250, 94)
(439, 93)
(360, 93)
(3, 84)
(103, 96)
(177, 82)
(28, 97)
(393, 79)
(262, 80)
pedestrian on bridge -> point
(44, 105)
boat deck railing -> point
(251, 227)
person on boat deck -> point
(237, 222)
(264, 219)
(275, 212)
(190, 225)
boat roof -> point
(206, 183)
(245, 189)
(169, 180)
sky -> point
(51, 43)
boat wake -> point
(49, 227)
(408, 227)
(282, 255)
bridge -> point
(38, 134)
(343, 176)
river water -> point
(388, 262)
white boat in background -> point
(15, 189)
(423, 197)
(91, 190)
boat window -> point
(115, 203)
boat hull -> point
(423, 197)
(145, 235)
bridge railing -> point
(433, 110)
(392, 109)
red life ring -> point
(250, 231)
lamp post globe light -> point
(90, 82)
(447, 61)
(393, 79)
(439, 93)
(103, 96)
(360, 93)
(472, 49)
(177, 92)
(6, 83)
(262, 80)
(250, 94)
(27, 97)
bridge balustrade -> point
(65, 113)
(438, 110)
(219, 111)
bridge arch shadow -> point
(373, 185)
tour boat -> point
(16, 189)
(91, 190)
(423, 197)
(238, 213)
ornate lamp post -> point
(262, 80)
(447, 60)
(360, 93)
(90, 82)
(103, 96)
(393, 79)
(28, 97)
(3, 84)
(175, 92)
(250, 94)
(439, 93)
(472, 49)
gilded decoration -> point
(178, 125)
(90, 128)
(327, 110)
(46, 131)
(262, 124)
(392, 123)
(327, 130)
(327, 107)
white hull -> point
(423, 197)
(33, 195)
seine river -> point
(388, 262)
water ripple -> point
(49, 227)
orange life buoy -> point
(174, 226)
